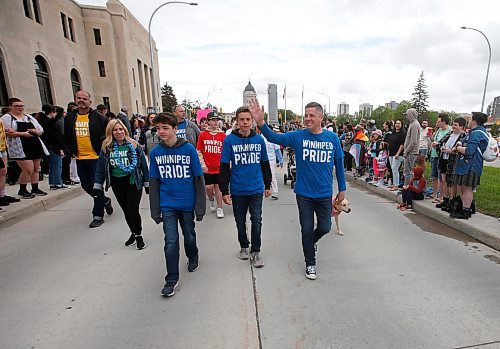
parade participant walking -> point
(84, 131)
(123, 117)
(318, 152)
(177, 195)
(469, 167)
(411, 145)
(122, 165)
(24, 146)
(275, 159)
(245, 173)
(210, 152)
(149, 137)
(186, 129)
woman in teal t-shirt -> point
(122, 165)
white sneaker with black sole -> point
(212, 205)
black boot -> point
(444, 203)
(473, 207)
(463, 214)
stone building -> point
(248, 93)
(50, 49)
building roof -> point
(249, 87)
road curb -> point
(28, 208)
(481, 227)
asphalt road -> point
(395, 280)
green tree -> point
(290, 115)
(420, 96)
(168, 99)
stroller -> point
(291, 168)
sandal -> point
(403, 208)
(394, 189)
(436, 201)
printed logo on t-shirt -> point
(123, 156)
(181, 130)
(245, 154)
(315, 151)
(82, 128)
(173, 166)
(212, 146)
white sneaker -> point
(274, 196)
(220, 213)
(212, 204)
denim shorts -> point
(434, 167)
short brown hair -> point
(13, 100)
(166, 118)
(241, 110)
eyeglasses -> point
(18, 106)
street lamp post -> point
(153, 78)
(212, 90)
(489, 60)
(328, 101)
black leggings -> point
(409, 196)
(129, 198)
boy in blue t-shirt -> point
(245, 172)
(177, 194)
(317, 152)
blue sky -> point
(353, 51)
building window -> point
(64, 25)
(43, 79)
(133, 76)
(105, 101)
(102, 69)
(97, 36)
(4, 95)
(26, 6)
(71, 29)
(75, 81)
(36, 11)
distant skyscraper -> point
(365, 110)
(494, 108)
(248, 93)
(392, 105)
(342, 109)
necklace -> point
(118, 159)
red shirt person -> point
(210, 151)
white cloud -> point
(354, 51)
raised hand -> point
(256, 111)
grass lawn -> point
(487, 195)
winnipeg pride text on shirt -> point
(212, 146)
(245, 154)
(173, 166)
(316, 151)
(124, 158)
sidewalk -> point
(481, 227)
(18, 211)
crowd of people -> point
(182, 165)
(395, 157)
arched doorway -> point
(75, 81)
(43, 79)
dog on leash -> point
(338, 208)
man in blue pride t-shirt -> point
(185, 128)
(317, 152)
(245, 171)
(176, 195)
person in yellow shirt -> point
(84, 132)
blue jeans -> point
(307, 208)
(241, 205)
(55, 168)
(86, 172)
(171, 231)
